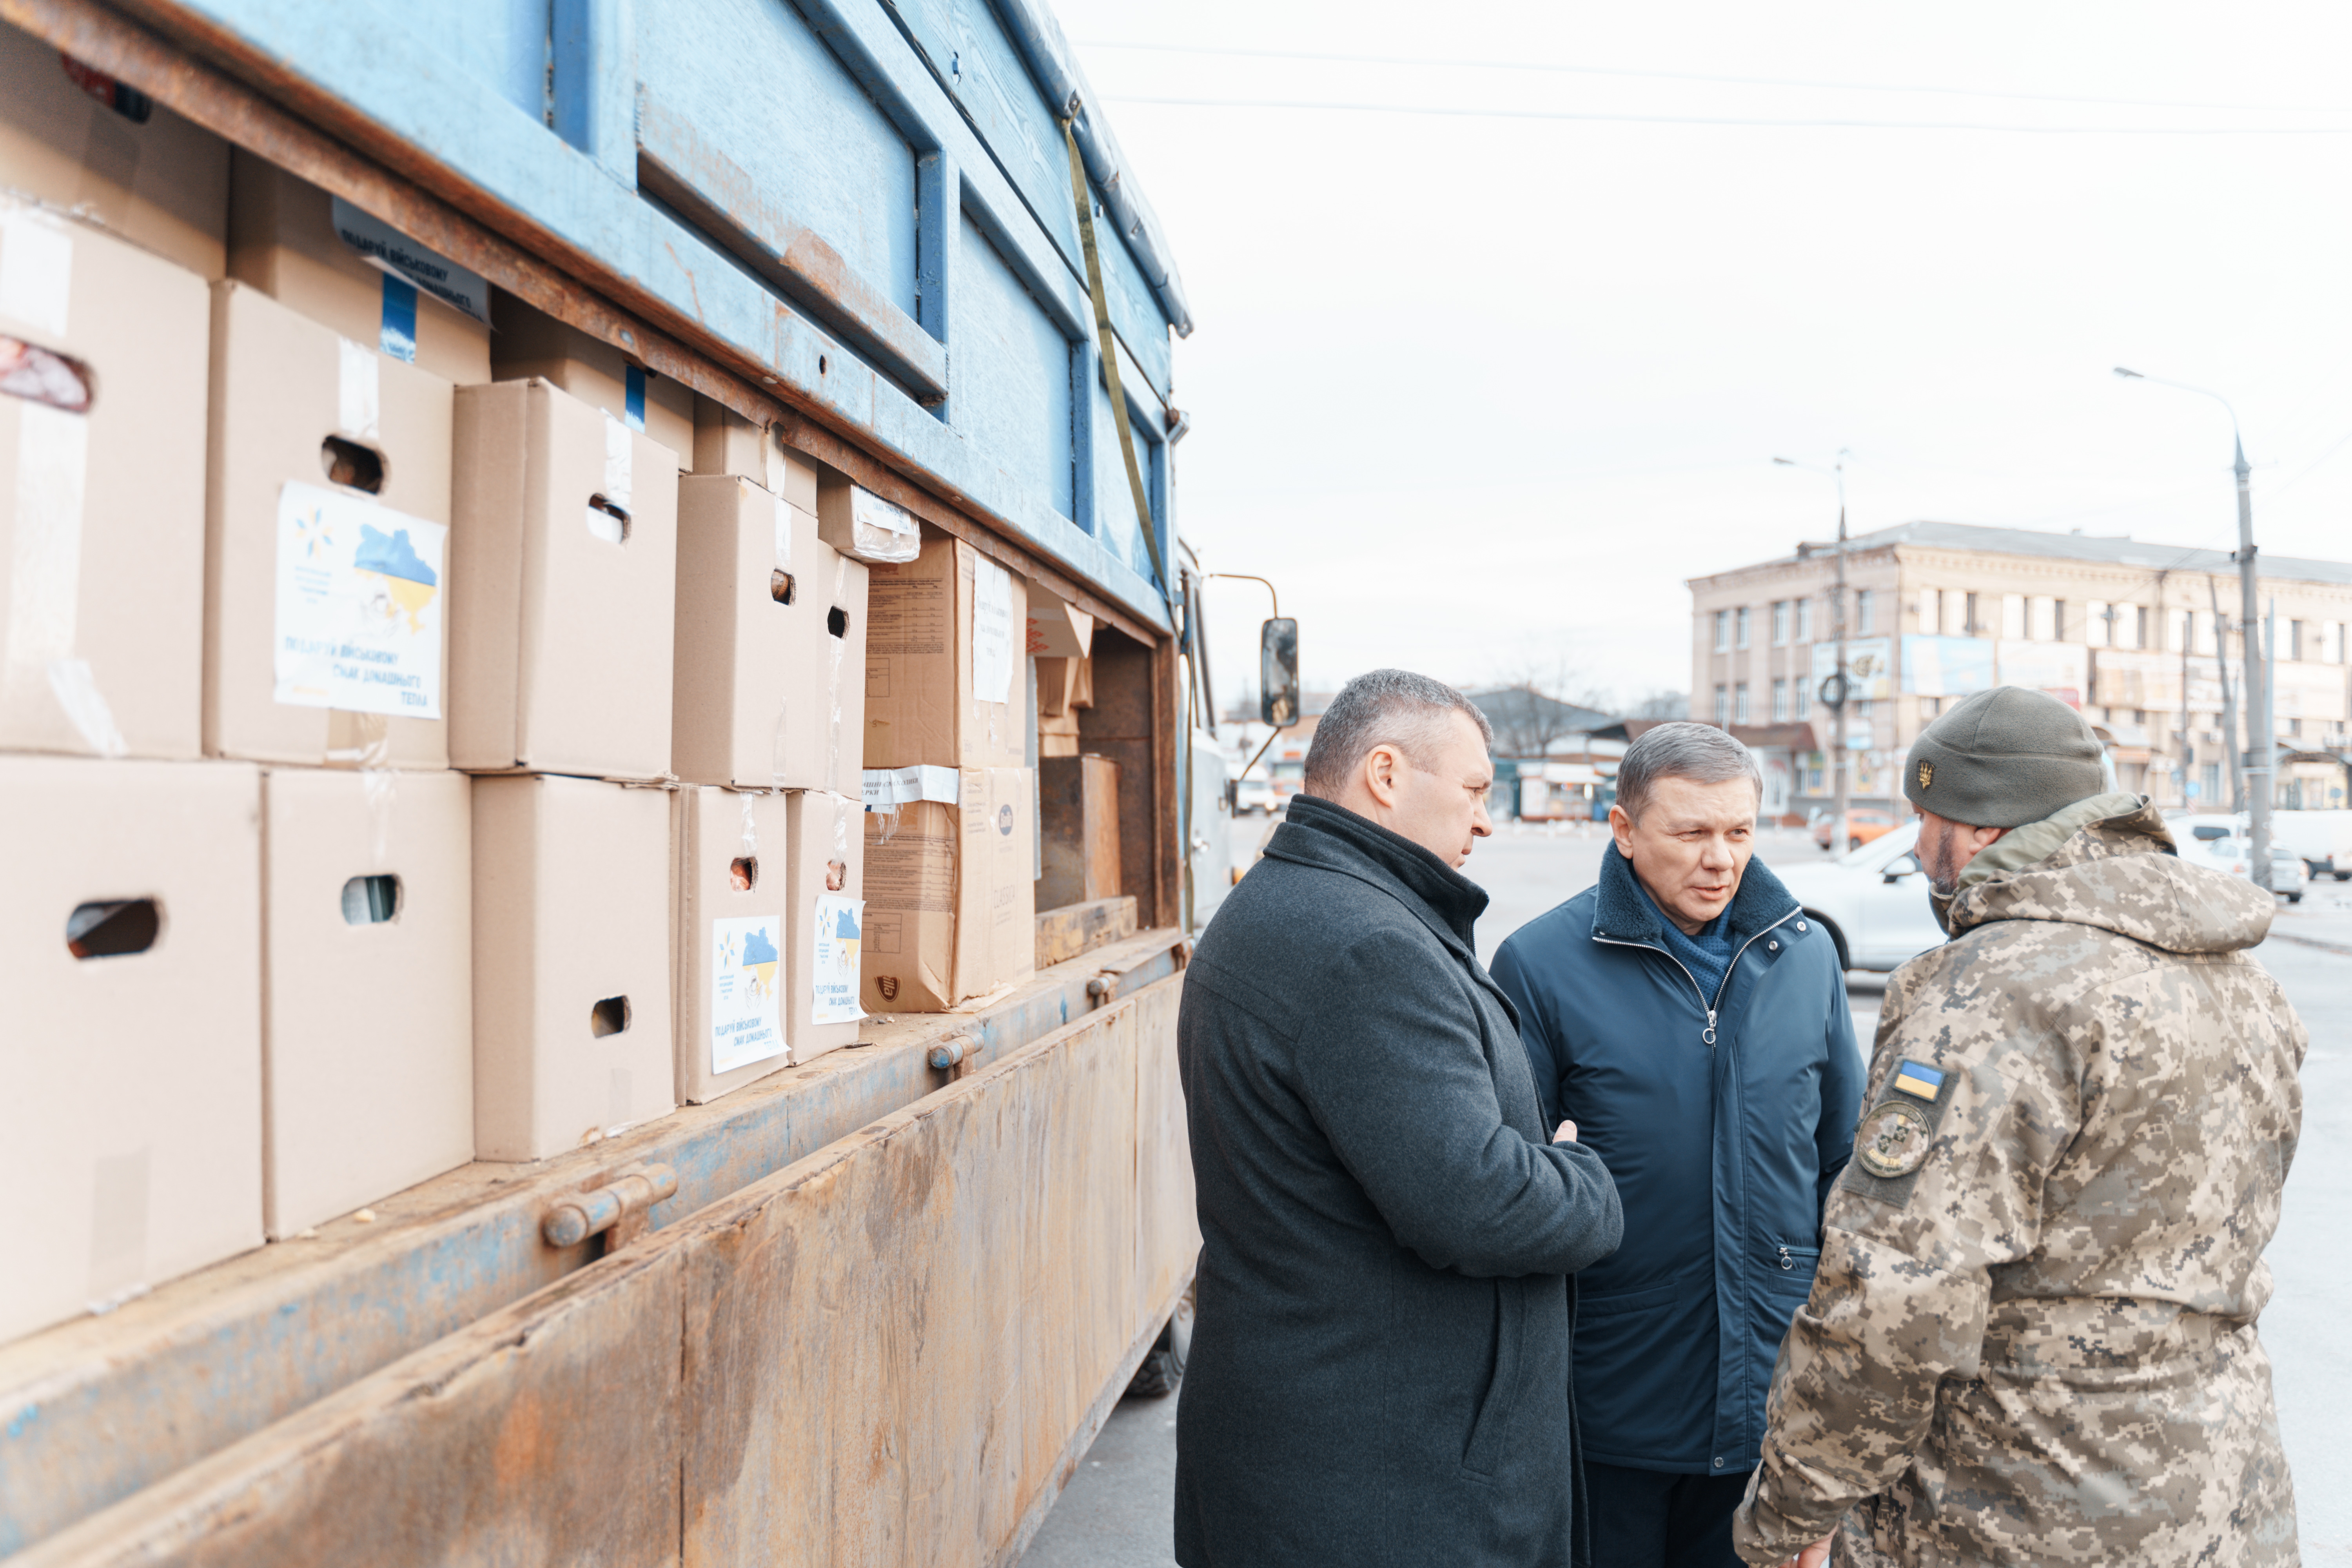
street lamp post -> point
(2263, 764)
(1834, 690)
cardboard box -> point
(532, 343)
(731, 878)
(1058, 629)
(131, 1079)
(566, 542)
(571, 962)
(368, 1010)
(1077, 823)
(950, 895)
(856, 522)
(825, 918)
(74, 138)
(944, 681)
(727, 443)
(101, 493)
(769, 689)
(320, 256)
(327, 546)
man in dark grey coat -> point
(1379, 1369)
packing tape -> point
(833, 685)
(368, 738)
(382, 788)
(617, 463)
(772, 458)
(843, 809)
(617, 1101)
(751, 826)
(783, 525)
(118, 1192)
(356, 400)
(45, 578)
(36, 270)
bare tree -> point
(1538, 705)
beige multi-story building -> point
(2125, 631)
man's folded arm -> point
(1404, 1093)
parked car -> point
(2322, 840)
(1873, 900)
(2234, 853)
(1863, 824)
(1253, 797)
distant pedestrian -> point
(1379, 1369)
(1692, 1022)
(2031, 1340)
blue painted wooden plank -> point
(1013, 372)
(209, 1359)
(505, 43)
(594, 83)
(762, 91)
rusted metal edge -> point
(207, 1359)
(1066, 1468)
(426, 200)
(178, 1509)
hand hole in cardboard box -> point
(836, 876)
(112, 928)
(610, 1016)
(43, 376)
(371, 901)
(352, 466)
(743, 873)
(822, 365)
(837, 621)
(608, 521)
(780, 586)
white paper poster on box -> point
(839, 921)
(746, 967)
(359, 604)
(991, 632)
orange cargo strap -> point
(1079, 195)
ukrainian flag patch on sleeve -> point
(1913, 1078)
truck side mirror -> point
(1901, 866)
(1278, 672)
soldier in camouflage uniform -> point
(2030, 1339)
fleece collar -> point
(1315, 832)
(1623, 911)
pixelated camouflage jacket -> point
(2039, 1346)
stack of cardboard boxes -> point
(400, 763)
(950, 838)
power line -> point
(1551, 68)
(1740, 122)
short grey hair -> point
(1387, 707)
(1699, 752)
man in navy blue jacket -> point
(1692, 1022)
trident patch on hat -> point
(1926, 774)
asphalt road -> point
(1116, 1512)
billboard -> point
(2061, 668)
(1869, 667)
(1947, 667)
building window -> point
(1929, 706)
(1722, 705)
(1739, 703)
(2331, 642)
(1865, 612)
(1804, 620)
(1779, 702)
(2057, 620)
(2041, 619)
(1971, 625)
(1779, 623)
(2211, 787)
(1739, 625)
(1813, 781)
(1861, 709)
(2140, 626)
(1723, 631)
(2295, 726)
(2294, 641)
(1800, 699)
(2098, 623)
(2012, 616)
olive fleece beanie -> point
(2003, 758)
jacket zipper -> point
(1707, 1034)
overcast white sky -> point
(1479, 393)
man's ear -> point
(1381, 765)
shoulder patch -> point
(1898, 1133)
